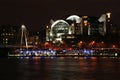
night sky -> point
(35, 14)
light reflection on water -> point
(60, 68)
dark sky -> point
(35, 14)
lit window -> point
(85, 16)
(108, 14)
(85, 22)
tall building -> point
(75, 24)
(93, 26)
(105, 24)
(84, 25)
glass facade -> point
(58, 28)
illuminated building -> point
(48, 33)
(108, 16)
(58, 28)
(74, 27)
(93, 26)
(83, 25)
(105, 24)
(8, 34)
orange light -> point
(113, 46)
(108, 14)
(85, 22)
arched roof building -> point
(58, 28)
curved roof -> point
(58, 21)
(74, 18)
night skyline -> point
(37, 14)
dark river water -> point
(60, 68)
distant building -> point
(75, 28)
(56, 30)
(9, 34)
(93, 26)
(34, 38)
(84, 25)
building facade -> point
(76, 28)
(9, 34)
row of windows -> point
(7, 34)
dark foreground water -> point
(60, 68)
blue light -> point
(64, 51)
(51, 57)
(26, 57)
(85, 57)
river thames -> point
(60, 68)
